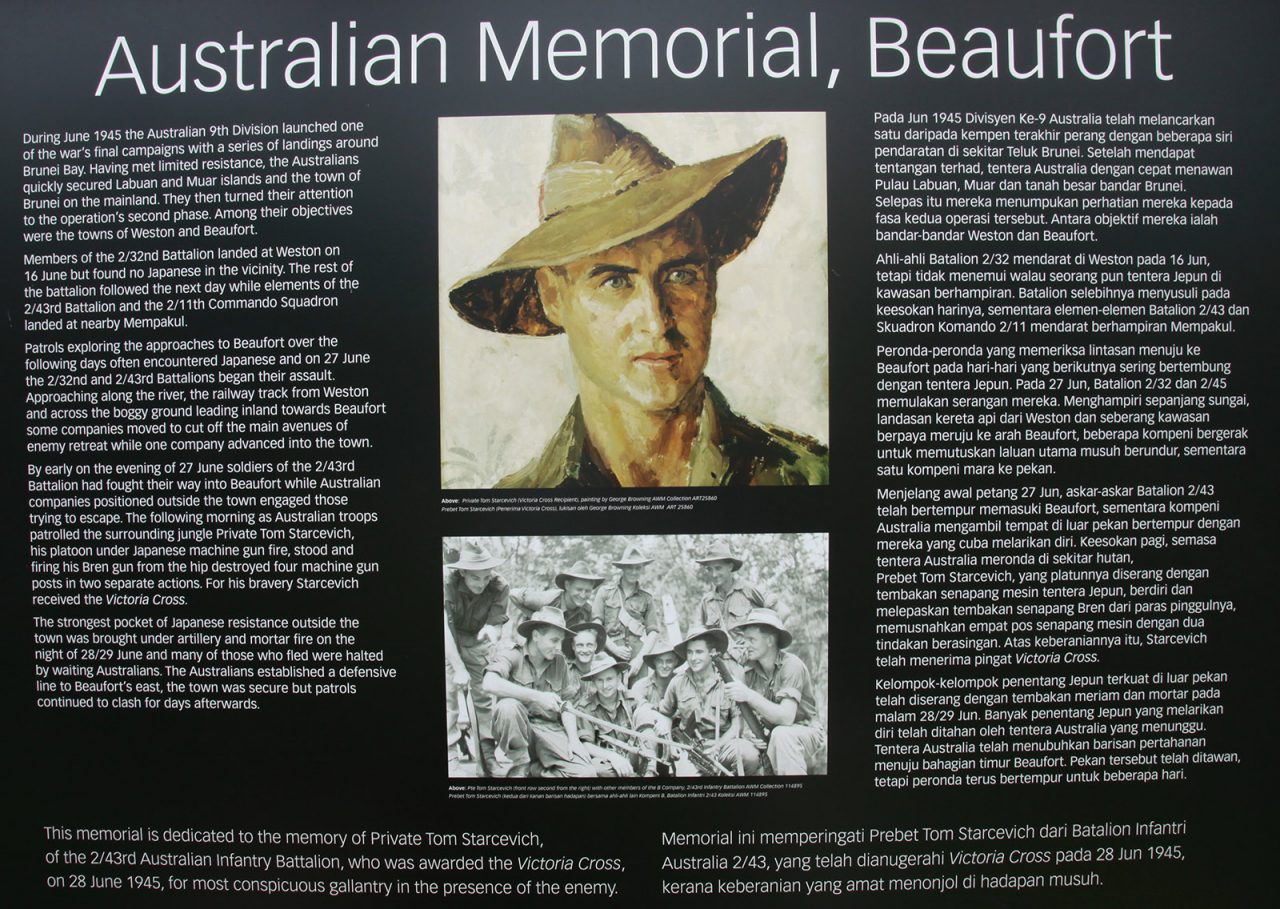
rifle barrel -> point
(613, 727)
(748, 712)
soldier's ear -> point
(549, 295)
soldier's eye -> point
(616, 282)
(682, 276)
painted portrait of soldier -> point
(631, 259)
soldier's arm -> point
(494, 629)
(793, 683)
(778, 713)
(775, 713)
(740, 601)
(597, 603)
(666, 710)
(653, 620)
(505, 688)
(497, 681)
(637, 658)
(497, 616)
(522, 602)
(617, 649)
(531, 599)
(451, 655)
(570, 723)
(707, 612)
(639, 692)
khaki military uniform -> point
(525, 731)
(622, 713)
(704, 711)
(468, 613)
(725, 610)
(627, 617)
(791, 748)
(729, 451)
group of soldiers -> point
(584, 680)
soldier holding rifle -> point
(613, 756)
(532, 720)
(777, 687)
(698, 709)
(475, 606)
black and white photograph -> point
(670, 656)
(849, 430)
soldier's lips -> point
(658, 360)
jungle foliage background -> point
(789, 569)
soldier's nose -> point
(652, 315)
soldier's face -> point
(760, 642)
(721, 572)
(698, 655)
(607, 683)
(546, 641)
(476, 581)
(578, 591)
(584, 646)
(664, 665)
(631, 573)
(638, 316)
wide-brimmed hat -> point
(661, 645)
(631, 556)
(603, 662)
(606, 185)
(474, 557)
(580, 571)
(583, 626)
(769, 619)
(720, 552)
(549, 616)
(719, 640)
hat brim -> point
(525, 627)
(715, 634)
(623, 668)
(784, 637)
(637, 562)
(737, 563)
(649, 658)
(563, 578)
(734, 194)
(461, 565)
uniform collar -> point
(712, 678)
(777, 664)
(639, 591)
(619, 706)
(569, 458)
